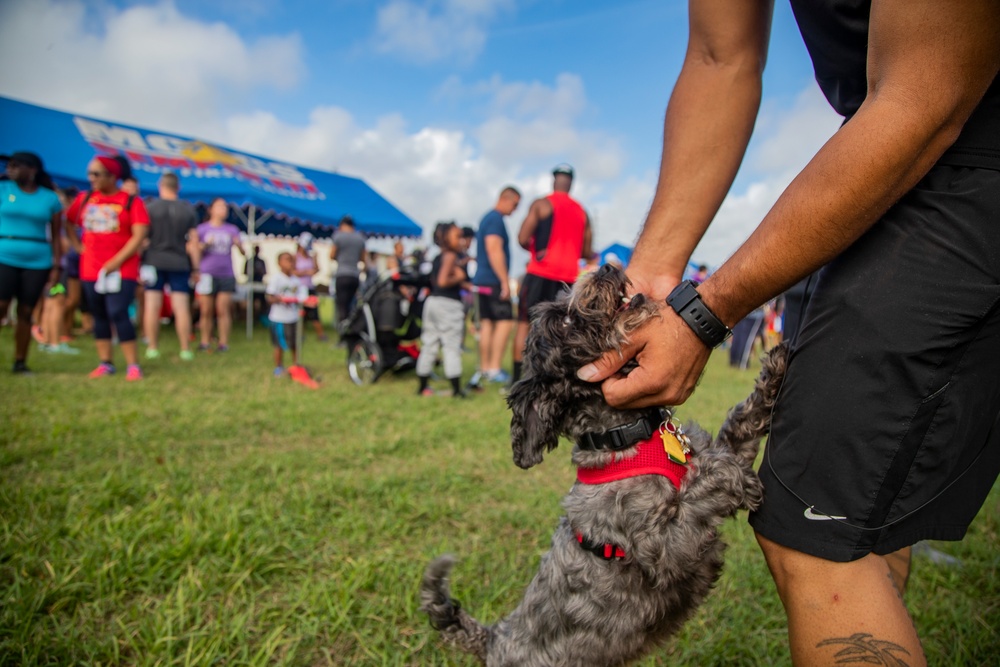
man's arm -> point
(539, 210)
(708, 124)
(587, 251)
(498, 262)
(929, 64)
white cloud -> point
(432, 31)
(784, 142)
(148, 63)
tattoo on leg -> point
(862, 648)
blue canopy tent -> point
(617, 251)
(274, 197)
(265, 196)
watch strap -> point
(687, 303)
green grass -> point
(212, 514)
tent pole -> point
(251, 220)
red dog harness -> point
(659, 454)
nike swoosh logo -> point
(812, 516)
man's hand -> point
(504, 292)
(671, 359)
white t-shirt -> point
(285, 286)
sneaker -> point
(134, 373)
(204, 348)
(152, 353)
(426, 391)
(279, 371)
(500, 377)
(48, 349)
(187, 355)
(301, 375)
(36, 333)
(63, 348)
(222, 348)
(21, 368)
(459, 394)
(102, 370)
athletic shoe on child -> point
(102, 370)
(152, 353)
(222, 348)
(134, 373)
(187, 355)
(21, 368)
(278, 371)
(426, 391)
(63, 348)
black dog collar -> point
(622, 437)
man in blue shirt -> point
(496, 316)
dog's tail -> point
(750, 421)
(446, 614)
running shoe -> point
(279, 371)
(500, 377)
(222, 348)
(427, 391)
(63, 348)
(301, 375)
(134, 373)
(21, 368)
(204, 348)
(152, 353)
(102, 370)
(187, 355)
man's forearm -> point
(708, 124)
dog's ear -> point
(535, 420)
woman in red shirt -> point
(114, 226)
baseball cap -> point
(563, 169)
(25, 158)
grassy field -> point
(212, 514)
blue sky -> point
(436, 103)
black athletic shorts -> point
(492, 308)
(26, 285)
(887, 427)
(535, 290)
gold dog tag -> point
(674, 449)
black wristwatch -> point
(686, 301)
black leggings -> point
(111, 310)
(346, 288)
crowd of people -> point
(124, 262)
(120, 262)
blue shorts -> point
(179, 281)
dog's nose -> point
(605, 270)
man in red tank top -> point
(557, 233)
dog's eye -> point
(567, 321)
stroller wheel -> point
(364, 362)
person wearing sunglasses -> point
(114, 225)
(30, 250)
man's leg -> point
(835, 606)
(485, 347)
(501, 332)
(153, 302)
(180, 303)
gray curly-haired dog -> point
(634, 555)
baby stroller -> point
(381, 331)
